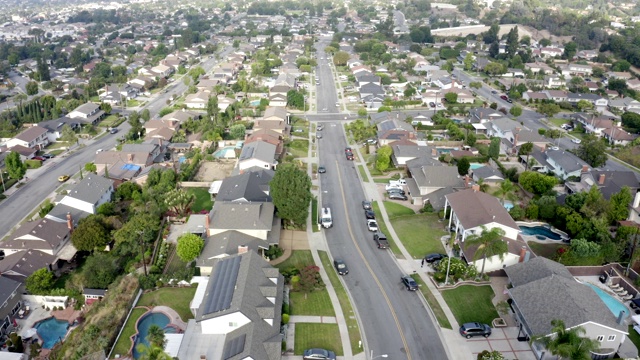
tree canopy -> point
(40, 282)
(291, 192)
(592, 151)
(189, 247)
(90, 234)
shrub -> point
(427, 208)
(285, 308)
(285, 318)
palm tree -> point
(152, 352)
(482, 185)
(155, 336)
(569, 343)
(506, 190)
(526, 149)
(489, 244)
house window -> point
(235, 324)
(611, 338)
(600, 338)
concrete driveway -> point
(504, 340)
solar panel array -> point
(223, 285)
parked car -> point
(509, 101)
(349, 156)
(98, 151)
(372, 225)
(409, 283)
(434, 257)
(366, 205)
(576, 141)
(369, 214)
(397, 196)
(494, 92)
(39, 158)
(393, 186)
(319, 135)
(504, 97)
(472, 329)
(319, 127)
(341, 267)
(113, 131)
(321, 170)
(396, 191)
(48, 156)
(318, 354)
(63, 178)
(432, 104)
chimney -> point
(130, 157)
(515, 137)
(475, 187)
(601, 179)
(69, 222)
(243, 249)
(434, 152)
(206, 224)
(523, 253)
(585, 168)
(467, 181)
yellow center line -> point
(366, 263)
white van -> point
(325, 218)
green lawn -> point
(345, 303)
(548, 251)
(298, 259)
(124, 344)
(471, 303)
(298, 148)
(316, 303)
(203, 199)
(420, 234)
(634, 337)
(314, 215)
(395, 209)
(56, 145)
(325, 336)
(363, 173)
(433, 303)
(56, 152)
(558, 121)
(109, 121)
(382, 226)
(176, 298)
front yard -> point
(471, 303)
(325, 336)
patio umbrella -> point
(29, 333)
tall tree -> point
(526, 149)
(489, 244)
(494, 148)
(212, 109)
(512, 42)
(291, 192)
(15, 167)
(569, 343)
(619, 205)
(463, 166)
(40, 282)
(506, 191)
(592, 151)
(189, 247)
(90, 234)
(155, 336)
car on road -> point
(504, 97)
(432, 104)
(341, 267)
(366, 205)
(348, 150)
(434, 257)
(319, 135)
(98, 151)
(318, 354)
(409, 283)
(349, 156)
(576, 141)
(494, 92)
(472, 329)
(322, 170)
(372, 225)
(397, 196)
(509, 101)
(369, 214)
(113, 131)
(319, 127)
(63, 178)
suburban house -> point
(251, 186)
(404, 151)
(116, 94)
(540, 285)
(539, 67)
(259, 154)
(20, 265)
(596, 100)
(430, 181)
(34, 137)
(482, 115)
(618, 136)
(82, 199)
(54, 127)
(594, 124)
(514, 133)
(487, 174)
(43, 235)
(254, 219)
(198, 100)
(88, 113)
(562, 163)
(274, 113)
(10, 302)
(608, 182)
(93, 295)
(471, 210)
(237, 313)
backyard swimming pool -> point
(51, 331)
(227, 152)
(612, 303)
(540, 231)
(148, 319)
(474, 166)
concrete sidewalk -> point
(454, 344)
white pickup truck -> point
(396, 184)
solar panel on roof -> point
(223, 285)
(234, 347)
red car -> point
(38, 158)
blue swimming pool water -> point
(540, 230)
(614, 305)
(154, 318)
(508, 205)
(51, 331)
(255, 102)
(225, 152)
(474, 166)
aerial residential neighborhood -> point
(319, 180)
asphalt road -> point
(14, 208)
(394, 321)
(326, 95)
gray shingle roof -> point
(535, 269)
(557, 297)
(42, 234)
(227, 243)
(475, 208)
(249, 187)
(436, 176)
(241, 216)
(26, 262)
(486, 172)
(91, 188)
(7, 287)
(566, 160)
(260, 150)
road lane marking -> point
(366, 263)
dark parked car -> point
(366, 205)
(434, 257)
(432, 104)
(472, 329)
(318, 354)
(369, 214)
(397, 196)
(321, 170)
(494, 92)
(509, 101)
(48, 156)
(348, 150)
(349, 156)
(341, 267)
(504, 97)
(396, 191)
(409, 283)
(113, 131)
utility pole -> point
(144, 263)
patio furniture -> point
(623, 294)
(615, 287)
(628, 297)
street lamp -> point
(379, 356)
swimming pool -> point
(474, 166)
(148, 319)
(612, 303)
(227, 152)
(540, 231)
(254, 102)
(51, 331)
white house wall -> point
(224, 324)
(494, 263)
(77, 204)
(253, 162)
(509, 233)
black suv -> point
(409, 283)
(472, 329)
(434, 257)
(369, 214)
